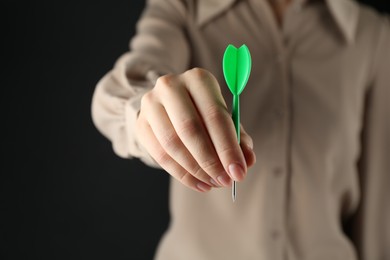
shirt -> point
(316, 104)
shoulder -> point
(373, 30)
(173, 11)
(373, 34)
(372, 23)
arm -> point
(179, 122)
(371, 230)
(158, 48)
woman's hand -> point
(185, 126)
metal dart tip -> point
(234, 191)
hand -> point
(185, 126)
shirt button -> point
(278, 172)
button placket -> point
(281, 115)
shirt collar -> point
(346, 15)
(344, 12)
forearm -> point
(159, 47)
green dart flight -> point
(236, 65)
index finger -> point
(207, 97)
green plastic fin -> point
(237, 65)
(244, 65)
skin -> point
(185, 126)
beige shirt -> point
(317, 105)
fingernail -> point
(203, 187)
(224, 180)
(236, 171)
(214, 183)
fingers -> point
(247, 148)
(172, 144)
(189, 127)
(205, 93)
(185, 126)
(167, 162)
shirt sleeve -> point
(159, 47)
(371, 228)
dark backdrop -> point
(64, 193)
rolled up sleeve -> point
(159, 47)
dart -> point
(236, 65)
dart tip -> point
(234, 189)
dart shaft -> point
(236, 115)
(236, 121)
(234, 191)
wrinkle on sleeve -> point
(158, 48)
(371, 229)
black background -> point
(64, 193)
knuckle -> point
(231, 154)
(206, 78)
(199, 72)
(202, 74)
(164, 82)
(170, 141)
(197, 171)
(190, 128)
(182, 177)
(187, 180)
(228, 151)
(211, 166)
(215, 115)
(147, 99)
(162, 158)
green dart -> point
(236, 65)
